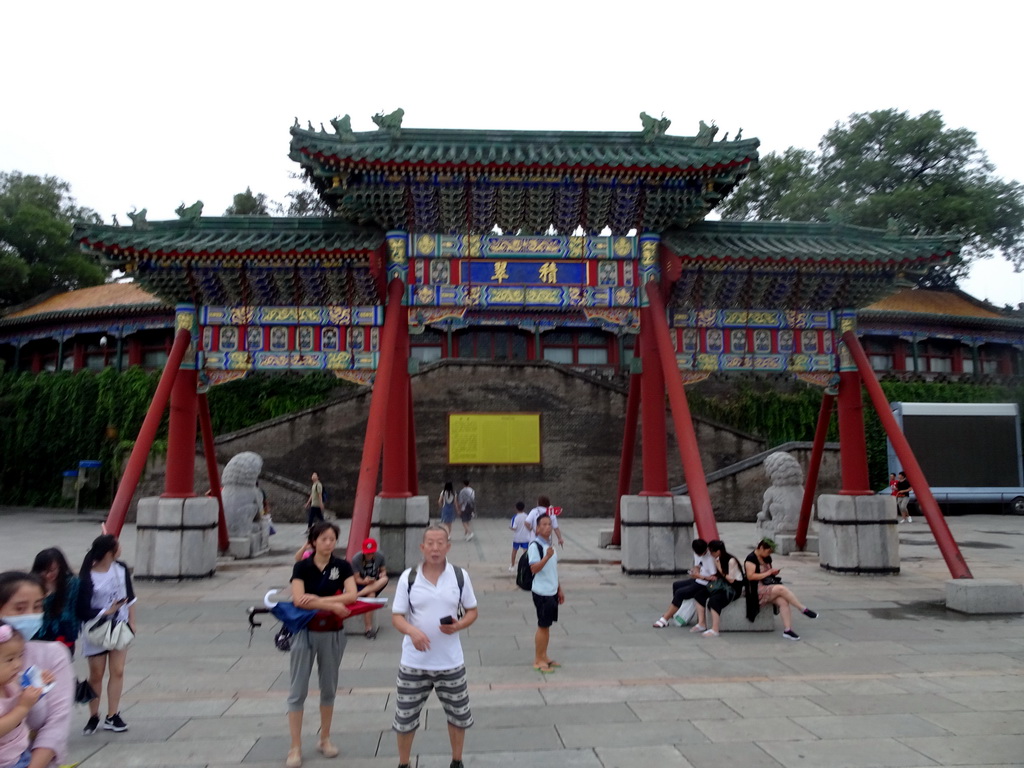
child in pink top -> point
(15, 701)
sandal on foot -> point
(545, 670)
(554, 664)
(699, 628)
(327, 749)
(661, 622)
(294, 758)
(709, 633)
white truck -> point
(970, 453)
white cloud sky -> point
(154, 104)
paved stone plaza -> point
(885, 677)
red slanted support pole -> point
(181, 436)
(852, 445)
(628, 447)
(395, 482)
(147, 433)
(820, 433)
(686, 436)
(652, 407)
(925, 500)
(206, 428)
(366, 488)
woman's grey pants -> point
(328, 648)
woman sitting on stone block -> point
(722, 591)
(764, 586)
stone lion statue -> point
(243, 503)
(780, 513)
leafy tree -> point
(887, 168)
(248, 204)
(36, 252)
(306, 201)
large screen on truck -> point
(954, 451)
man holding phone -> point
(428, 610)
(547, 592)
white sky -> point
(153, 104)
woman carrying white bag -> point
(106, 605)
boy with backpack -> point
(547, 592)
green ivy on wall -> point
(49, 422)
(790, 412)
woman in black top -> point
(323, 583)
(764, 587)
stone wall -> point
(581, 432)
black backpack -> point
(524, 575)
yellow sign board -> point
(494, 438)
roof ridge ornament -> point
(392, 122)
(138, 218)
(706, 134)
(343, 128)
(192, 213)
(653, 127)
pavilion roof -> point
(110, 299)
(243, 259)
(791, 265)
(954, 308)
(452, 181)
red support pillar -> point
(925, 500)
(820, 433)
(852, 446)
(414, 481)
(395, 483)
(181, 436)
(147, 433)
(366, 487)
(206, 428)
(686, 436)
(652, 407)
(628, 447)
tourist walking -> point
(434, 601)
(448, 503)
(520, 534)
(764, 587)
(49, 718)
(547, 592)
(315, 502)
(105, 593)
(60, 619)
(903, 498)
(467, 508)
(325, 584)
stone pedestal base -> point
(177, 538)
(657, 532)
(254, 545)
(857, 534)
(984, 596)
(785, 543)
(397, 525)
(604, 538)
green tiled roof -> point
(244, 259)
(580, 150)
(794, 265)
(228, 236)
(526, 182)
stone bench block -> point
(984, 596)
(857, 534)
(604, 538)
(176, 538)
(656, 535)
(398, 525)
(734, 618)
(785, 544)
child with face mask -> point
(16, 700)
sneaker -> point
(789, 634)
(115, 723)
(511, 569)
(371, 634)
(456, 764)
(910, 519)
(810, 614)
(468, 538)
(91, 726)
(901, 521)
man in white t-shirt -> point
(703, 571)
(543, 508)
(427, 613)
